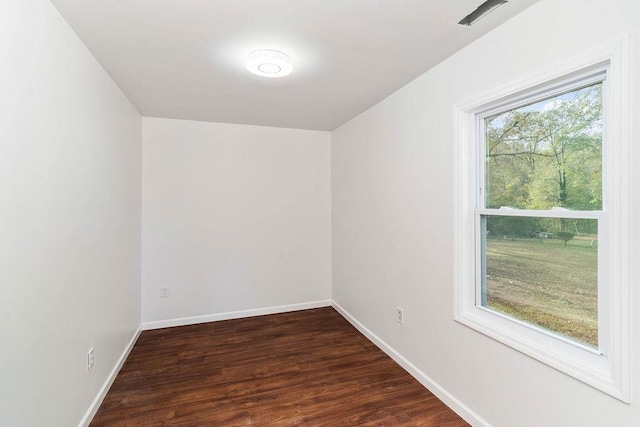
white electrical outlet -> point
(90, 359)
(400, 315)
(164, 292)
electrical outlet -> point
(164, 292)
(400, 315)
(90, 359)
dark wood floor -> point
(303, 368)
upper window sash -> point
(565, 85)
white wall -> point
(70, 156)
(392, 189)
(235, 218)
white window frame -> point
(608, 367)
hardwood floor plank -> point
(308, 368)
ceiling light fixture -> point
(269, 63)
(481, 11)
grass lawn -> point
(545, 283)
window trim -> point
(607, 369)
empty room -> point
(320, 213)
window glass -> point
(544, 271)
(547, 154)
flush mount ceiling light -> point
(481, 11)
(269, 63)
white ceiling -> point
(184, 59)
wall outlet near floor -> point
(91, 359)
(164, 292)
(400, 315)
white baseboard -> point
(181, 321)
(456, 405)
(95, 405)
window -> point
(539, 206)
(541, 210)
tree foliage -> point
(546, 155)
(565, 236)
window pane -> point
(547, 154)
(543, 271)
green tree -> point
(547, 154)
(565, 236)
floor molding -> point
(95, 405)
(456, 405)
(182, 321)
